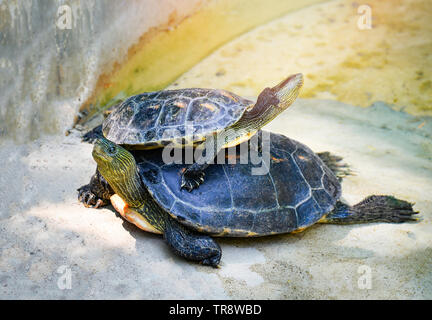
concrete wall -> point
(55, 54)
(49, 63)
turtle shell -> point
(181, 116)
(295, 193)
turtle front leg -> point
(97, 193)
(192, 245)
(193, 176)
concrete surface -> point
(47, 236)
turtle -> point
(183, 117)
(299, 190)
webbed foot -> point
(192, 245)
(90, 199)
(335, 164)
(386, 209)
(191, 180)
(212, 261)
(375, 208)
(93, 135)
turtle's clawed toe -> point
(88, 198)
(93, 135)
(213, 261)
(192, 181)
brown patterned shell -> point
(158, 118)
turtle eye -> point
(112, 150)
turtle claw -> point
(213, 261)
(99, 203)
(88, 198)
(192, 181)
(93, 135)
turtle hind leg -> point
(93, 134)
(192, 245)
(372, 209)
(335, 164)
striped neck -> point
(127, 185)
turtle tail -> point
(372, 209)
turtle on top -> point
(157, 119)
(298, 191)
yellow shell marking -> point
(209, 106)
(180, 104)
(298, 230)
(131, 215)
(226, 94)
(277, 160)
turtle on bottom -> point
(214, 118)
(298, 191)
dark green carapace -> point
(158, 118)
(298, 190)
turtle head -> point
(272, 101)
(112, 159)
(118, 167)
(288, 90)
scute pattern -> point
(173, 112)
(296, 192)
(166, 113)
(202, 109)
